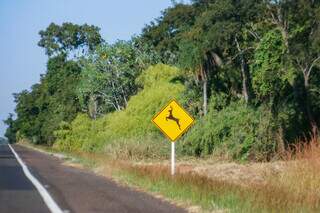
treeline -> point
(248, 70)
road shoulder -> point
(80, 190)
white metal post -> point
(172, 157)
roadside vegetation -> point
(128, 132)
(247, 70)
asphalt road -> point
(17, 194)
(73, 189)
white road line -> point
(52, 205)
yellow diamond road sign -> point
(173, 120)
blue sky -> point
(22, 61)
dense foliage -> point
(108, 76)
(112, 132)
(247, 70)
(236, 131)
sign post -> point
(172, 158)
(173, 121)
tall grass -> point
(295, 189)
(308, 148)
(211, 194)
(302, 177)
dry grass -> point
(293, 188)
(275, 196)
(302, 176)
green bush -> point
(78, 134)
(124, 129)
(237, 130)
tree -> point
(215, 37)
(69, 38)
(54, 99)
(109, 73)
(298, 22)
(40, 110)
(203, 65)
(90, 87)
(304, 45)
(27, 112)
(164, 33)
(11, 131)
(271, 72)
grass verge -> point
(217, 195)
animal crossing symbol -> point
(171, 117)
(173, 120)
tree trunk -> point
(93, 107)
(124, 97)
(245, 80)
(285, 38)
(205, 96)
(308, 104)
(245, 74)
(117, 103)
(114, 91)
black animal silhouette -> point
(171, 117)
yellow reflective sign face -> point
(173, 120)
